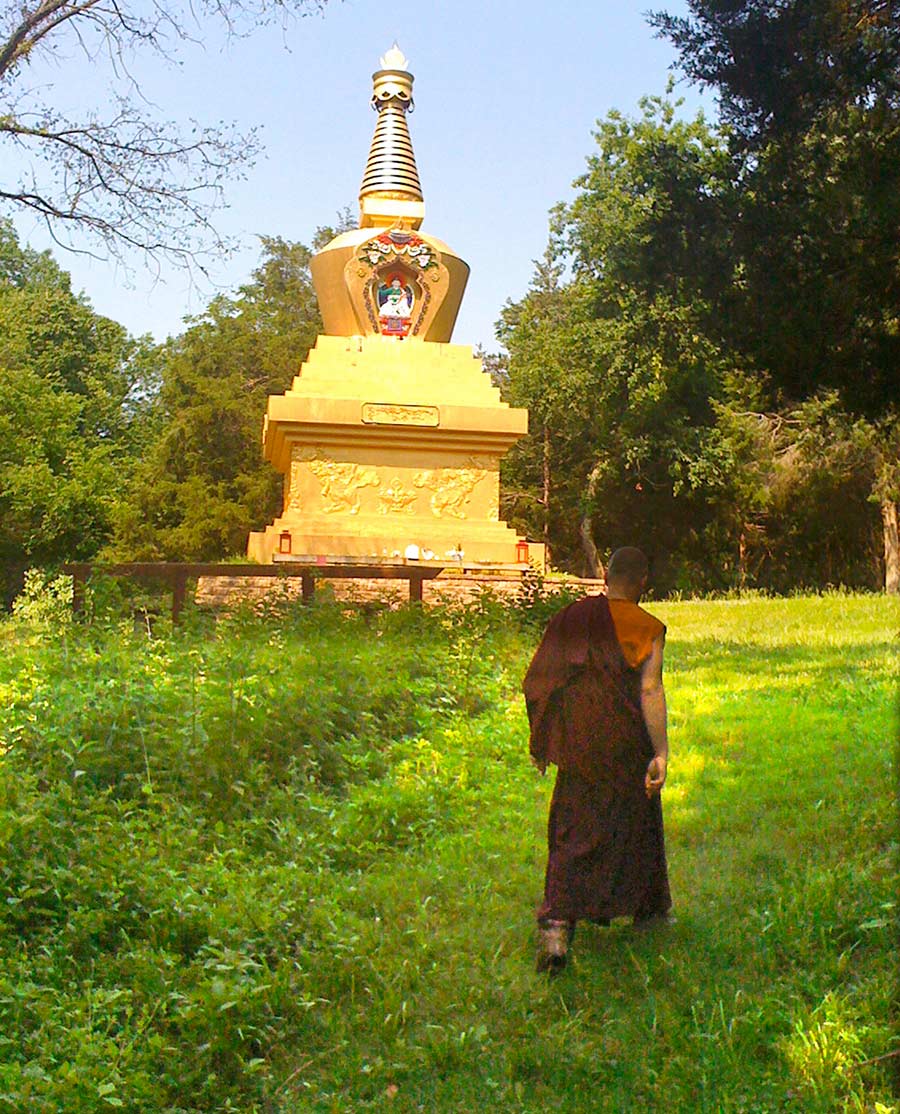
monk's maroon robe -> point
(606, 851)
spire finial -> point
(394, 59)
(390, 192)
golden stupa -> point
(390, 437)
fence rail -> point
(177, 574)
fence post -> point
(78, 578)
(179, 582)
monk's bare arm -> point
(653, 707)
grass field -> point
(293, 866)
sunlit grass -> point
(267, 940)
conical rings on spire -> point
(391, 168)
(391, 171)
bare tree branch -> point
(35, 26)
(129, 181)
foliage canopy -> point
(74, 393)
(732, 298)
(203, 482)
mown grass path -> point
(371, 946)
(776, 976)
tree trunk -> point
(585, 530)
(891, 546)
(545, 494)
(591, 556)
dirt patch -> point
(221, 592)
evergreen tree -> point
(203, 484)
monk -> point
(597, 711)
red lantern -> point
(284, 541)
(522, 552)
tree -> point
(657, 418)
(810, 92)
(73, 394)
(124, 179)
(801, 494)
(614, 364)
(534, 376)
(886, 493)
(781, 68)
(203, 483)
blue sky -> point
(507, 95)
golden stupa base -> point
(390, 449)
(288, 539)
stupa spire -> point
(390, 193)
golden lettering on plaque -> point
(383, 413)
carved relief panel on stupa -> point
(467, 486)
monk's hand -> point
(538, 765)
(655, 777)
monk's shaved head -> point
(628, 566)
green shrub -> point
(45, 599)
